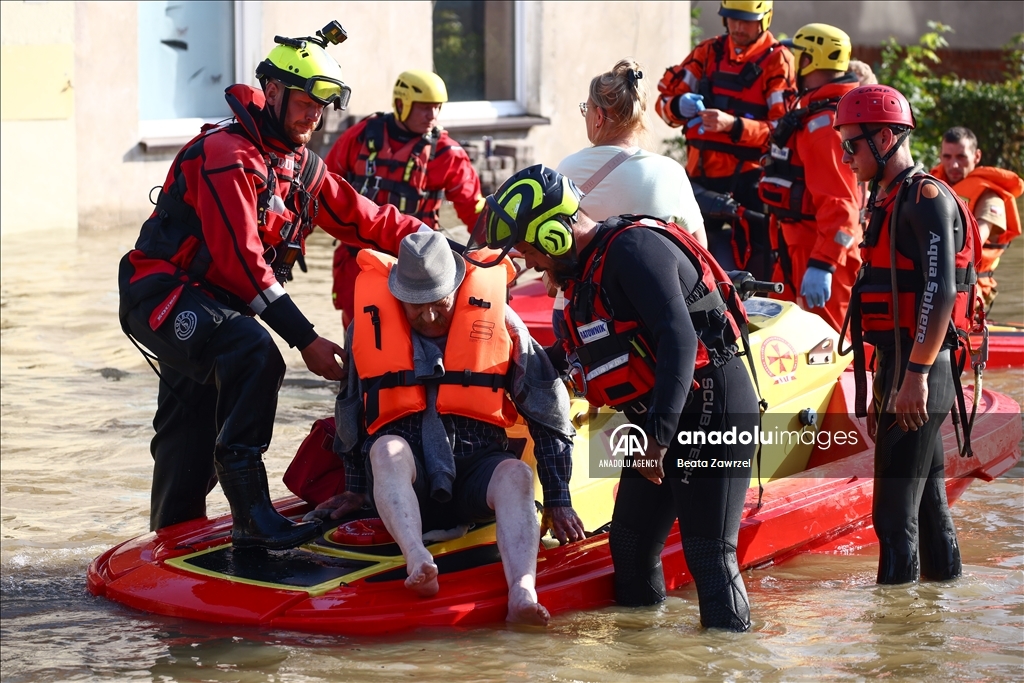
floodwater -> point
(77, 401)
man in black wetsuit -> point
(651, 333)
(931, 260)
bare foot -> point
(422, 577)
(523, 608)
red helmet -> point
(874, 104)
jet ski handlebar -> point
(747, 286)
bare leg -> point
(394, 472)
(510, 495)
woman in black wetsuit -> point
(653, 336)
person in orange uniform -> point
(990, 193)
(405, 159)
(813, 198)
(726, 92)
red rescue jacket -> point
(873, 317)
(613, 360)
(233, 200)
(874, 285)
(413, 175)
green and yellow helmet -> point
(417, 85)
(303, 64)
(538, 206)
(827, 46)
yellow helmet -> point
(303, 64)
(747, 10)
(417, 85)
(827, 46)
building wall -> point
(977, 25)
(81, 163)
(37, 124)
(656, 34)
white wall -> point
(37, 125)
(977, 25)
(79, 161)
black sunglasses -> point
(851, 148)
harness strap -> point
(761, 402)
(375, 183)
(407, 378)
(738, 151)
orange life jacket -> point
(396, 177)
(476, 355)
(736, 88)
(614, 360)
(1007, 185)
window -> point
(478, 53)
(189, 52)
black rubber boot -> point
(256, 524)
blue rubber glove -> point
(697, 120)
(686, 106)
(816, 288)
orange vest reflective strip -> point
(477, 350)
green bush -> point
(994, 111)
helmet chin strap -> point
(879, 159)
(277, 122)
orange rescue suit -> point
(476, 355)
(754, 83)
(1007, 186)
(814, 200)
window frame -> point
(476, 110)
(165, 133)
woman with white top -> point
(616, 174)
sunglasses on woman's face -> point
(851, 148)
(583, 109)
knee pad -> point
(720, 590)
(639, 579)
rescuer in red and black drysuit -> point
(726, 92)
(922, 237)
(654, 323)
(230, 220)
(403, 158)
